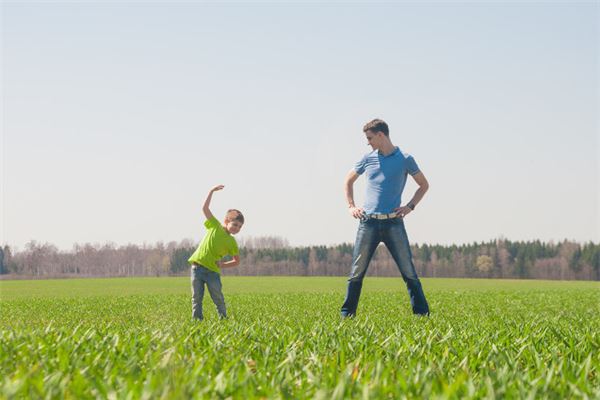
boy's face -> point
(233, 227)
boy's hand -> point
(216, 188)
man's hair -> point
(377, 125)
(234, 215)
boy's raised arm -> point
(206, 207)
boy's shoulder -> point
(212, 223)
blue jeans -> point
(392, 233)
(200, 277)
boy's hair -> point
(377, 125)
(234, 215)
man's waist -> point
(382, 215)
(381, 208)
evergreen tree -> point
(179, 259)
(2, 267)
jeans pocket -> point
(398, 221)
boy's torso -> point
(216, 244)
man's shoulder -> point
(403, 154)
(370, 155)
(406, 155)
(409, 163)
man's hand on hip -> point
(403, 211)
(357, 212)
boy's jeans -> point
(201, 276)
(392, 233)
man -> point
(382, 217)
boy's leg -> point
(396, 240)
(213, 283)
(197, 293)
(367, 240)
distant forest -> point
(499, 258)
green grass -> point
(133, 338)
(55, 288)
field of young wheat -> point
(134, 338)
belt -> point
(382, 216)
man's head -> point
(234, 220)
(377, 133)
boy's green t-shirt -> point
(216, 244)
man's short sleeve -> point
(411, 165)
(211, 223)
(360, 166)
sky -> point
(117, 118)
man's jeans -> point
(391, 232)
(201, 276)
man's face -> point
(374, 139)
(233, 227)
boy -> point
(206, 260)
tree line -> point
(500, 258)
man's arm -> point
(206, 207)
(356, 212)
(229, 264)
(423, 187)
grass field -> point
(133, 338)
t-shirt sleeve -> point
(211, 223)
(411, 165)
(235, 251)
(360, 166)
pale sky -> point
(117, 118)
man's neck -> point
(387, 149)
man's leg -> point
(396, 240)
(367, 240)
(213, 283)
(197, 294)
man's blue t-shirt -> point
(386, 177)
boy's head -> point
(234, 220)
